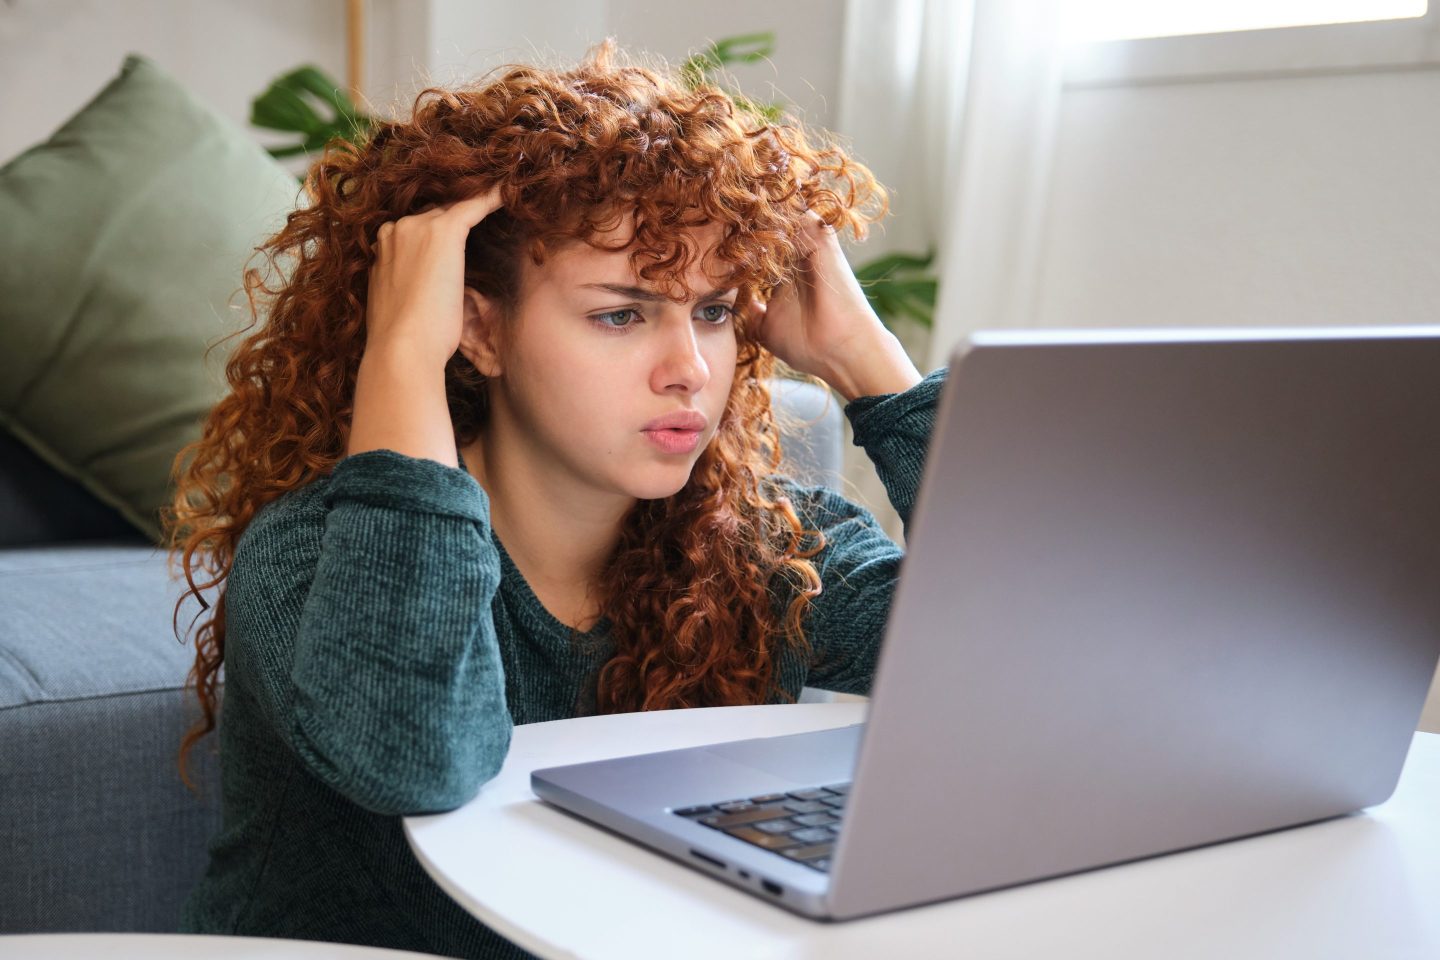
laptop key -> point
(807, 794)
(754, 815)
(693, 811)
(807, 806)
(734, 806)
(768, 798)
(837, 803)
(812, 852)
(814, 819)
(813, 835)
(841, 788)
(770, 841)
(777, 826)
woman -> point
(502, 452)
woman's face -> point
(595, 356)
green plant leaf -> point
(733, 49)
(744, 48)
(311, 79)
(891, 263)
(696, 69)
(920, 314)
(280, 109)
(897, 286)
(289, 104)
(292, 150)
(922, 290)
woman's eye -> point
(604, 318)
(714, 314)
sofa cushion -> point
(122, 242)
(811, 431)
(89, 621)
(98, 831)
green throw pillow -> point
(122, 241)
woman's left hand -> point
(822, 324)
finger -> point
(812, 233)
(755, 319)
(473, 209)
(817, 227)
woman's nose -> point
(680, 363)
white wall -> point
(1265, 177)
(55, 55)
(459, 40)
(1263, 200)
(804, 72)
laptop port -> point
(772, 888)
(708, 859)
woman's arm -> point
(894, 431)
(860, 564)
(359, 622)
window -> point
(1096, 20)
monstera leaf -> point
(747, 48)
(898, 285)
(293, 104)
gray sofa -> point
(97, 831)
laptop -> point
(1162, 589)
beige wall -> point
(1277, 201)
(55, 55)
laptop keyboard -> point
(800, 825)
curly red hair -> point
(694, 589)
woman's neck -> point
(558, 533)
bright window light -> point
(1090, 20)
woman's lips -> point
(674, 441)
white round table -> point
(179, 946)
(1360, 886)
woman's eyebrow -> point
(650, 296)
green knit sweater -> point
(380, 645)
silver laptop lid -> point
(1163, 588)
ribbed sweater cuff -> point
(894, 430)
(875, 416)
(387, 478)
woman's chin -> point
(659, 484)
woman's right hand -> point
(415, 305)
(414, 315)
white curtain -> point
(952, 104)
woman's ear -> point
(480, 334)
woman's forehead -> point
(580, 263)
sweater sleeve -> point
(364, 630)
(859, 565)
